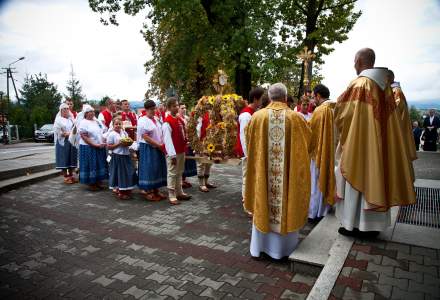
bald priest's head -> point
(364, 59)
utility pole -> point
(9, 75)
(5, 105)
(4, 118)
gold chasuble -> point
(405, 120)
(278, 175)
(372, 160)
(323, 150)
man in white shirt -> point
(245, 116)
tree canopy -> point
(40, 101)
(253, 41)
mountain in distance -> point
(425, 104)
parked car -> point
(44, 134)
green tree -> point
(414, 114)
(253, 41)
(103, 101)
(40, 103)
(317, 24)
(74, 90)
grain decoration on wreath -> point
(221, 133)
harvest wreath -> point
(221, 133)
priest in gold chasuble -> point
(373, 173)
(322, 164)
(278, 177)
(403, 115)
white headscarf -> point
(85, 109)
(59, 125)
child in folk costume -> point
(175, 145)
(66, 155)
(152, 168)
(122, 173)
(92, 153)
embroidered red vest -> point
(131, 116)
(107, 118)
(177, 133)
(74, 113)
(238, 146)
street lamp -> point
(9, 75)
(21, 58)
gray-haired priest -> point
(278, 177)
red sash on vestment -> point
(238, 146)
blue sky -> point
(54, 34)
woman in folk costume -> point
(66, 155)
(92, 152)
(122, 173)
(152, 168)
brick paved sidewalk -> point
(60, 241)
(385, 270)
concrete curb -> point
(17, 182)
(8, 174)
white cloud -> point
(405, 36)
(107, 60)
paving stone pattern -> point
(386, 270)
(60, 241)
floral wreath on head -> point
(221, 133)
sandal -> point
(203, 189)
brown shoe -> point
(152, 197)
(68, 180)
(186, 184)
(123, 196)
(174, 202)
(203, 189)
(160, 195)
(184, 197)
(93, 188)
(211, 186)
